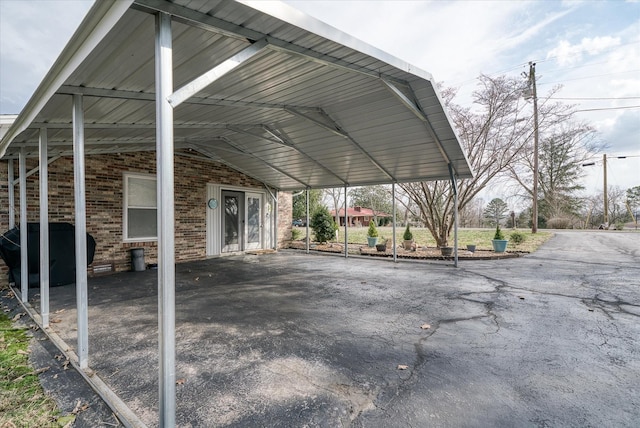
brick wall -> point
(104, 197)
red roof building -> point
(358, 216)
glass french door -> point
(253, 221)
(233, 220)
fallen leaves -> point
(80, 407)
(180, 381)
(403, 367)
(425, 326)
(17, 316)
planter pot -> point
(499, 245)
(407, 244)
(371, 241)
(471, 248)
(381, 247)
(446, 251)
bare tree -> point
(377, 198)
(492, 136)
(336, 196)
(565, 145)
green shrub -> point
(296, 234)
(373, 231)
(407, 236)
(323, 225)
(517, 237)
(619, 226)
(498, 235)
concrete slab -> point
(290, 339)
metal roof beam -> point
(211, 155)
(131, 125)
(220, 70)
(283, 141)
(36, 169)
(220, 26)
(151, 96)
(286, 141)
(417, 111)
(240, 130)
(270, 165)
(331, 125)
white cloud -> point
(567, 54)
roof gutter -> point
(100, 19)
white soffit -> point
(286, 98)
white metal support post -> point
(12, 196)
(24, 230)
(44, 229)
(275, 221)
(454, 187)
(166, 221)
(80, 231)
(346, 223)
(393, 238)
(307, 222)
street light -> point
(531, 81)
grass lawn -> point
(481, 237)
(23, 403)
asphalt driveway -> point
(295, 340)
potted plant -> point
(499, 243)
(382, 245)
(408, 238)
(471, 248)
(372, 234)
(446, 251)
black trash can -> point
(137, 259)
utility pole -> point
(606, 199)
(534, 94)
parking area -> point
(290, 339)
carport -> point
(257, 86)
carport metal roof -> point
(258, 86)
(286, 99)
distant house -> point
(359, 216)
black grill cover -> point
(61, 253)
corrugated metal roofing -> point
(313, 108)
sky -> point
(591, 48)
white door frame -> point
(214, 219)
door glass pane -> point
(230, 220)
(253, 220)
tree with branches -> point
(492, 137)
(495, 211)
(377, 198)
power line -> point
(594, 98)
(609, 108)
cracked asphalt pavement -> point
(296, 340)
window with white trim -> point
(140, 208)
